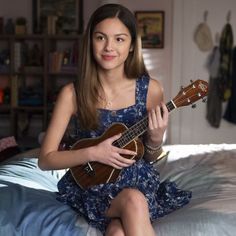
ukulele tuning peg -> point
(193, 84)
(194, 106)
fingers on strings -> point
(158, 117)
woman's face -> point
(111, 43)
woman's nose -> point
(109, 45)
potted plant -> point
(20, 26)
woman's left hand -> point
(157, 124)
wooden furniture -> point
(32, 70)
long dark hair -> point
(88, 84)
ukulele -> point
(94, 173)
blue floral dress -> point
(92, 203)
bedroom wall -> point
(157, 60)
(177, 63)
(188, 62)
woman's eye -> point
(100, 37)
(120, 39)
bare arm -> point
(51, 158)
(157, 118)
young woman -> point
(114, 86)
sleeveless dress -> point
(91, 203)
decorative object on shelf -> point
(28, 57)
(4, 81)
(52, 23)
(10, 26)
(30, 91)
(28, 85)
(151, 28)
(6, 97)
(57, 17)
(5, 93)
(1, 25)
(35, 56)
(4, 61)
(1, 96)
(64, 60)
(21, 25)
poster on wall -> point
(151, 28)
(57, 16)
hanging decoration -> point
(203, 35)
(230, 113)
(225, 68)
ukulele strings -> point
(136, 130)
(140, 127)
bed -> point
(28, 205)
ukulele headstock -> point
(192, 93)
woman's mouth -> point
(107, 57)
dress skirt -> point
(92, 203)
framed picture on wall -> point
(151, 28)
(57, 16)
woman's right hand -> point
(109, 154)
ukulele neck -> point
(138, 129)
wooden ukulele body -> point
(95, 173)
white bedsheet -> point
(185, 150)
(209, 171)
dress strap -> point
(141, 96)
(142, 89)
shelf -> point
(5, 37)
(34, 83)
(26, 37)
(5, 108)
(28, 73)
(5, 73)
(63, 37)
(40, 37)
(29, 108)
(68, 73)
(31, 69)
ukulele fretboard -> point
(137, 129)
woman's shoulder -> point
(68, 91)
(150, 81)
(154, 85)
(68, 96)
(155, 93)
